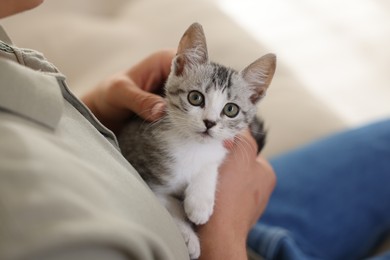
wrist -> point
(222, 242)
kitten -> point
(179, 155)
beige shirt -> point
(66, 192)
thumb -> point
(157, 109)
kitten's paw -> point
(198, 210)
(192, 241)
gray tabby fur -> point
(179, 155)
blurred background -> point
(339, 50)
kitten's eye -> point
(195, 98)
(231, 110)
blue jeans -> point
(332, 199)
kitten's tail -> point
(258, 132)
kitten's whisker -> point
(237, 145)
(147, 114)
(258, 132)
(146, 125)
(242, 145)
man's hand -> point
(115, 98)
(246, 181)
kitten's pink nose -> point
(209, 124)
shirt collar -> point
(29, 93)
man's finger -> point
(147, 105)
(127, 95)
(152, 72)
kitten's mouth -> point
(205, 134)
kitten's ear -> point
(259, 75)
(192, 49)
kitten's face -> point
(207, 101)
(210, 102)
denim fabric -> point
(332, 199)
(384, 256)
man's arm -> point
(245, 185)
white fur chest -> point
(192, 158)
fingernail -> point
(158, 109)
(228, 144)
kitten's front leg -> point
(175, 208)
(200, 195)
